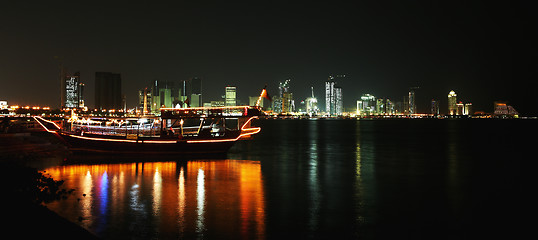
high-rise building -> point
(389, 107)
(196, 92)
(230, 96)
(164, 94)
(434, 107)
(145, 100)
(452, 103)
(412, 101)
(367, 105)
(285, 96)
(312, 104)
(468, 109)
(334, 104)
(380, 106)
(73, 92)
(108, 90)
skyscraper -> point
(108, 90)
(367, 104)
(230, 96)
(312, 104)
(452, 103)
(468, 109)
(434, 107)
(334, 104)
(412, 101)
(285, 96)
(196, 92)
(73, 91)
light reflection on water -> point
(191, 199)
(310, 179)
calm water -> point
(367, 179)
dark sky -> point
(485, 51)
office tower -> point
(288, 104)
(196, 92)
(380, 106)
(230, 96)
(338, 101)
(434, 107)
(367, 105)
(164, 94)
(145, 100)
(285, 97)
(73, 91)
(412, 101)
(108, 90)
(334, 104)
(468, 109)
(329, 96)
(389, 106)
(81, 103)
(452, 101)
(312, 104)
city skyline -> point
(484, 51)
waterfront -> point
(367, 179)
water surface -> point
(365, 179)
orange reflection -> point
(186, 199)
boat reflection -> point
(191, 199)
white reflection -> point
(86, 201)
(157, 190)
(200, 199)
(313, 181)
(181, 200)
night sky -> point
(485, 51)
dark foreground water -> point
(327, 179)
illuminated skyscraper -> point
(286, 96)
(144, 100)
(329, 96)
(367, 105)
(412, 101)
(334, 101)
(312, 104)
(108, 90)
(230, 96)
(163, 94)
(468, 110)
(452, 103)
(73, 91)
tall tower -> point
(286, 96)
(334, 104)
(329, 96)
(412, 100)
(230, 96)
(452, 103)
(196, 92)
(73, 90)
(338, 101)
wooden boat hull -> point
(149, 146)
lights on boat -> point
(142, 120)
